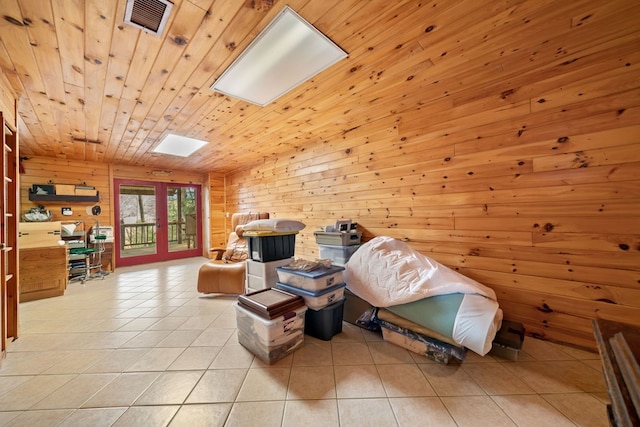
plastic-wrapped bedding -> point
(417, 341)
(386, 272)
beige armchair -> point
(226, 272)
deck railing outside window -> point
(144, 234)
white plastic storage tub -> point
(270, 340)
(261, 275)
(315, 280)
(319, 299)
(339, 255)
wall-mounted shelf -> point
(62, 198)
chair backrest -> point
(190, 224)
(237, 247)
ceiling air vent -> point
(148, 15)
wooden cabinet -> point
(43, 261)
(9, 294)
(38, 234)
(43, 272)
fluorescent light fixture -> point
(177, 145)
(288, 52)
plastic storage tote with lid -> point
(319, 299)
(314, 280)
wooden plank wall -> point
(40, 170)
(524, 175)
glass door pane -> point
(138, 220)
(182, 218)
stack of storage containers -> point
(267, 250)
(323, 292)
(338, 242)
(270, 323)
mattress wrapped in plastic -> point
(386, 272)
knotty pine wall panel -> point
(522, 173)
(41, 170)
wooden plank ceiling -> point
(93, 88)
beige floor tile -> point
(139, 324)
(311, 382)
(32, 391)
(583, 409)
(528, 410)
(76, 361)
(264, 384)
(351, 353)
(350, 333)
(194, 358)
(369, 336)
(365, 412)
(285, 362)
(542, 377)
(147, 416)
(198, 322)
(544, 350)
(117, 360)
(476, 411)
(218, 385)
(494, 378)
(111, 340)
(179, 339)
(314, 352)
(146, 339)
(39, 418)
(75, 392)
(213, 337)
(353, 382)
(311, 413)
(384, 352)
(9, 383)
(6, 417)
(29, 363)
(421, 411)
(404, 380)
(168, 323)
(227, 319)
(170, 388)
(122, 391)
(156, 359)
(450, 380)
(98, 417)
(209, 415)
(232, 356)
(263, 414)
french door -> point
(156, 221)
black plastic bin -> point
(324, 323)
(271, 248)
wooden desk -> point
(619, 346)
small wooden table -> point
(619, 347)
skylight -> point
(177, 145)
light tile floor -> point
(142, 348)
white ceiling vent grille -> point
(148, 15)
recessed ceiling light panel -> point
(288, 52)
(177, 145)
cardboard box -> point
(86, 192)
(65, 190)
